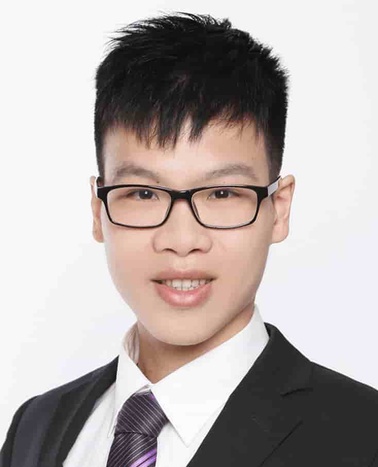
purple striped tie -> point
(139, 423)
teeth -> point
(186, 284)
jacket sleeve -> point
(6, 450)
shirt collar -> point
(219, 371)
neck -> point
(158, 359)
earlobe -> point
(282, 205)
(96, 214)
(97, 232)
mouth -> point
(185, 284)
(184, 293)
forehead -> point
(221, 152)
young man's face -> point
(236, 258)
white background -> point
(61, 316)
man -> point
(190, 122)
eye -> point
(145, 196)
(224, 191)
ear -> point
(96, 213)
(282, 200)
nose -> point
(182, 232)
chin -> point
(182, 336)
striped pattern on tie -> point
(139, 423)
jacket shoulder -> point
(47, 400)
(351, 404)
(332, 382)
(42, 407)
(76, 383)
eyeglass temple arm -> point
(273, 187)
(96, 186)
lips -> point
(184, 298)
(171, 274)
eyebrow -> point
(130, 168)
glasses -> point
(215, 207)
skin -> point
(170, 337)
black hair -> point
(162, 70)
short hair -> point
(162, 70)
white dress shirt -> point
(192, 397)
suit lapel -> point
(73, 409)
(264, 409)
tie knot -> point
(141, 413)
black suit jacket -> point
(286, 412)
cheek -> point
(249, 241)
(127, 256)
(245, 254)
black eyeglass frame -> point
(261, 191)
